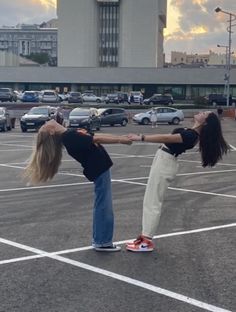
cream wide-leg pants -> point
(163, 171)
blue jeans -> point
(103, 218)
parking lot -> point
(46, 260)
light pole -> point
(226, 66)
(232, 17)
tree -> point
(41, 58)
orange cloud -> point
(48, 3)
(199, 30)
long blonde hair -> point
(45, 159)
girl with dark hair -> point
(207, 132)
(87, 150)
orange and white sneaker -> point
(141, 244)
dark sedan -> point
(159, 99)
(75, 97)
(113, 116)
(86, 118)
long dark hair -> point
(212, 144)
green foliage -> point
(40, 58)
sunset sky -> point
(192, 25)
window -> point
(108, 33)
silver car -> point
(164, 114)
(91, 98)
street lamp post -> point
(226, 66)
(232, 17)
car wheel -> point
(9, 128)
(175, 121)
(170, 103)
(214, 104)
(124, 122)
(234, 104)
(145, 121)
(23, 129)
(98, 101)
(112, 125)
(151, 103)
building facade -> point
(211, 58)
(182, 83)
(26, 39)
(111, 33)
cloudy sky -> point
(192, 25)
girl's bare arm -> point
(157, 138)
(111, 139)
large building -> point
(111, 33)
(26, 39)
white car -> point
(136, 97)
(49, 96)
(91, 98)
(164, 114)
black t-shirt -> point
(93, 157)
(189, 137)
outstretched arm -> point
(157, 138)
(111, 139)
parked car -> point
(123, 97)
(113, 116)
(112, 98)
(89, 97)
(164, 114)
(159, 99)
(75, 97)
(63, 96)
(37, 116)
(219, 99)
(86, 118)
(49, 96)
(5, 121)
(30, 96)
(7, 95)
(136, 97)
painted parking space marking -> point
(122, 278)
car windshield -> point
(29, 93)
(38, 111)
(75, 94)
(49, 93)
(80, 113)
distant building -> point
(178, 58)
(111, 33)
(53, 23)
(23, 40)
(193, 60)
(220, 59)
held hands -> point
(135, 137)
(124, 139)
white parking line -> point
(122, 278)
(72, 250)
(232, 147)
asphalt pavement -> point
(46, 260)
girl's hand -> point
(124, 139)
(134, 137)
